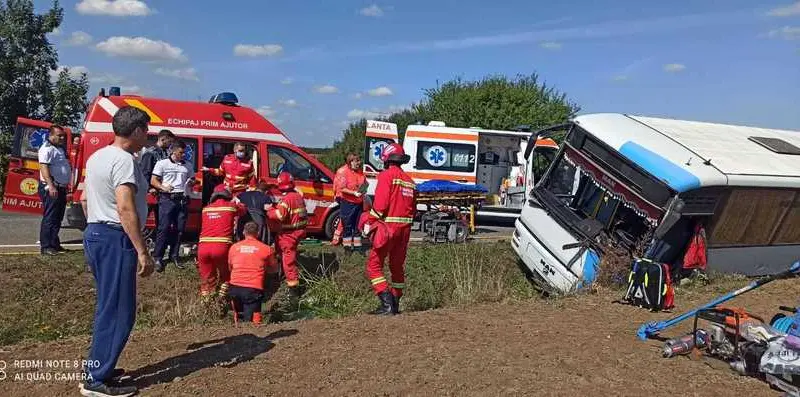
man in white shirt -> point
(54, 175)
(115, 197)
(172, 180)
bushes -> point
(52, 298)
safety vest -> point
(395, 199)
(239, 175)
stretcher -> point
(449, 210)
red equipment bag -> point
(695, 256)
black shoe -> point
(61, 249)
(49, 252)
(105, 390)
(395, 304)
(385, 307)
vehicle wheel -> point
(331, 224)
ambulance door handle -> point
(462, 180)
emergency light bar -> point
(225, 98)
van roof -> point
(691, 154)
(186, 118)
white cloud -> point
(189, 74)
(380, 91)
(141, 48)
(363, 114)
(79, 39)
(74, 71)
(357, 95)
(288, 102)
(106, 78)
(372, 11)
(550, 45)
(117, 8)
(786, 11)
(786, 32)
(287, 81)
(130, 89)
(250, 50)
(55, 32)
(266, 111)
(674, 67)
(620, 77)
(326, 89)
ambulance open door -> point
(378, 135)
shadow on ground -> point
(224, 352)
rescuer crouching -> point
(251, 263)
(388, 225)
(290, 213)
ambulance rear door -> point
(441, 153)
(21, 189)
(378, 135)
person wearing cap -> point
(351, 184)
(216, 236)
(393, 209)
(290, 212)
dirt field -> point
(576, 346)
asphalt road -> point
(20, 233)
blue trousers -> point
(171, 213)
(113, 262)
(349, 214)
(52, 215)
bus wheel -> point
(331, 224)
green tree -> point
(69, 99)
(495, 102)
(27, 59)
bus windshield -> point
(588, 181)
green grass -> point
(51, 298)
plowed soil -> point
(583, 346)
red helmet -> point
(285, 181)
(395, 153)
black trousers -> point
(52, 215)
(248, 300)
(172, 213)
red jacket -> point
(290, 211)
(248, 260)
(239, 175)
(337, 179)
(218, 221)
(395, 199)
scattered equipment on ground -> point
(649, 286)
(653, 328)
(449, 214)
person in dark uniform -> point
(172, 179)
(257, 202)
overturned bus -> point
(648, 184)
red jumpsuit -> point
(394, 205)
(216, 236)
(291, 213)
(239, 175)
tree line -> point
(494, 102)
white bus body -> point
(625, 175)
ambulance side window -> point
(441, 156)
(283, 159)
(190, 154)
(30, 139)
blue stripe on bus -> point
(671, 173)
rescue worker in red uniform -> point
(389, 226)
(290, 212)
(238, 169)
(351, 184)
(337, 193)
(216, 236)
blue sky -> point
(311, 66)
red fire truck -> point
(209, 131)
